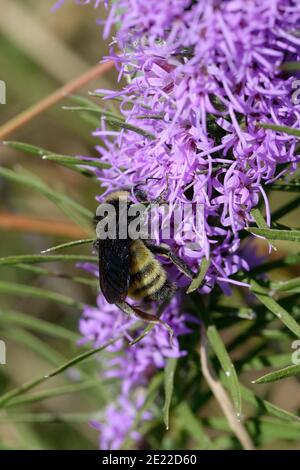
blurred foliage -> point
(41, 303)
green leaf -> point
(227, 366)
(38, 325)
(196, 283)
(65, 160)
(169, 387)
(35, 344)
(52, 393)
(48, 155)
(293, 187)
(86, 281)
(288, 371)
(32, 259)
(22, 290)
(263, 361)
(67, 245)
(276, 335)
(269, 429)
(72, 209)
(7, 397)
(259, 218)
(48, 418)
(27, 148)
(112, 120)
(192, 425)
(271, 234)
(120, 99)
(144, 333)
(267, 407)
(285, 129)
(86, 102)
(283, 286)
(290, 66)
(274, 307)
(75, 161)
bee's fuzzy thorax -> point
(122, 195)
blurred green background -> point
(40, 51)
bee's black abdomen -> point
(164, 293)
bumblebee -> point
(128, 267)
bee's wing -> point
(114, 269)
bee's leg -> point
(141, 194)
(168, 253)
(146, 317)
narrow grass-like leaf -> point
(86, 281)
(290, 66)
(261, 362)
(288, 371)
(93, 108)
(33, 259)
(187, 420)
(144, 333)
(35, 344)
(66, 160)
(259, 218)
(227, 366)
(22, 290)
(27, 148)
(49, 418)
(155, 117)
(72, 209)
(285, 129)
(84, 101)
(52, 393)
(292, 187)
(69, 244)
(112, 120)
(269, 429)
(74, 361)
(196, 283)
(169, 387)
(262, 294)
(8, 317)
(276, 335)
(75, 161)
(273, 234)
(267, 407)
(283, 286)
(106, 98)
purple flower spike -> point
(202, 76)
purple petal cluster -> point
(118, 423)
(132, 365)
(202, 78)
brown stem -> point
(51, 100)
(24, 223)
(221, 395)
